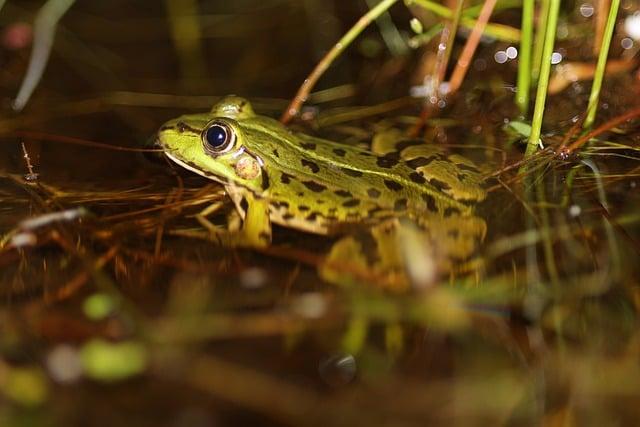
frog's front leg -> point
(256, 226)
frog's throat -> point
(196, 170)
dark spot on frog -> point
(351, 203)
(392, 185)
(312, 216)
(339, 152)
(303, 208)
(281, 204)
(418, 161)
(450, 211)
(316, 187)
(182, 126)
(333, 210)
(388, 160)
(311, 165)
(374, 210)
(431, 202)
(275, 153)
(369, 247)
(440, 185)
(308, 145)
(287, 216)
(373, 193)
(417, 178)
(352, 172)
(343, 193)
(320, 202)
(285, 178)
(400, 205)
(300, 194)
(265, 180)
(244, 204)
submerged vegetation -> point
(119, 307)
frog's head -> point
(214, 144)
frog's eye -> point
(217, 138)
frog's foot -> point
(368, 257)
(398, 255)
(255, 231)
(375, 257)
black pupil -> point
(216, 136)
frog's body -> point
(276, 176)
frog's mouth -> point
(191, 167)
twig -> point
(78, 141)
(80, 279)
(602, 6)
(601, 129)
(301, 96)
(470, 47)
(31, 175)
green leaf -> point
(522, 128)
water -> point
(541, 329)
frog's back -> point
(321, 186)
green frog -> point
(276, 176)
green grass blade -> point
(543, 82)
(602, 63)
(538, 45)
(524, 60)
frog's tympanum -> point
(400, 192)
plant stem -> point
(448, 39)
(44, 30)
(499, 31)
(524, 57)
(543, 82)
(294, 107)
(470, 47)
(600, 67)
(600, 23)
(631, 114)
(538, 45)
(389, 32)
(547, 240)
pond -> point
(441, 227)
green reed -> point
(601, 65)
(543, 80)
(524, 61)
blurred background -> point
(107, 318)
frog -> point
(396, 190)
